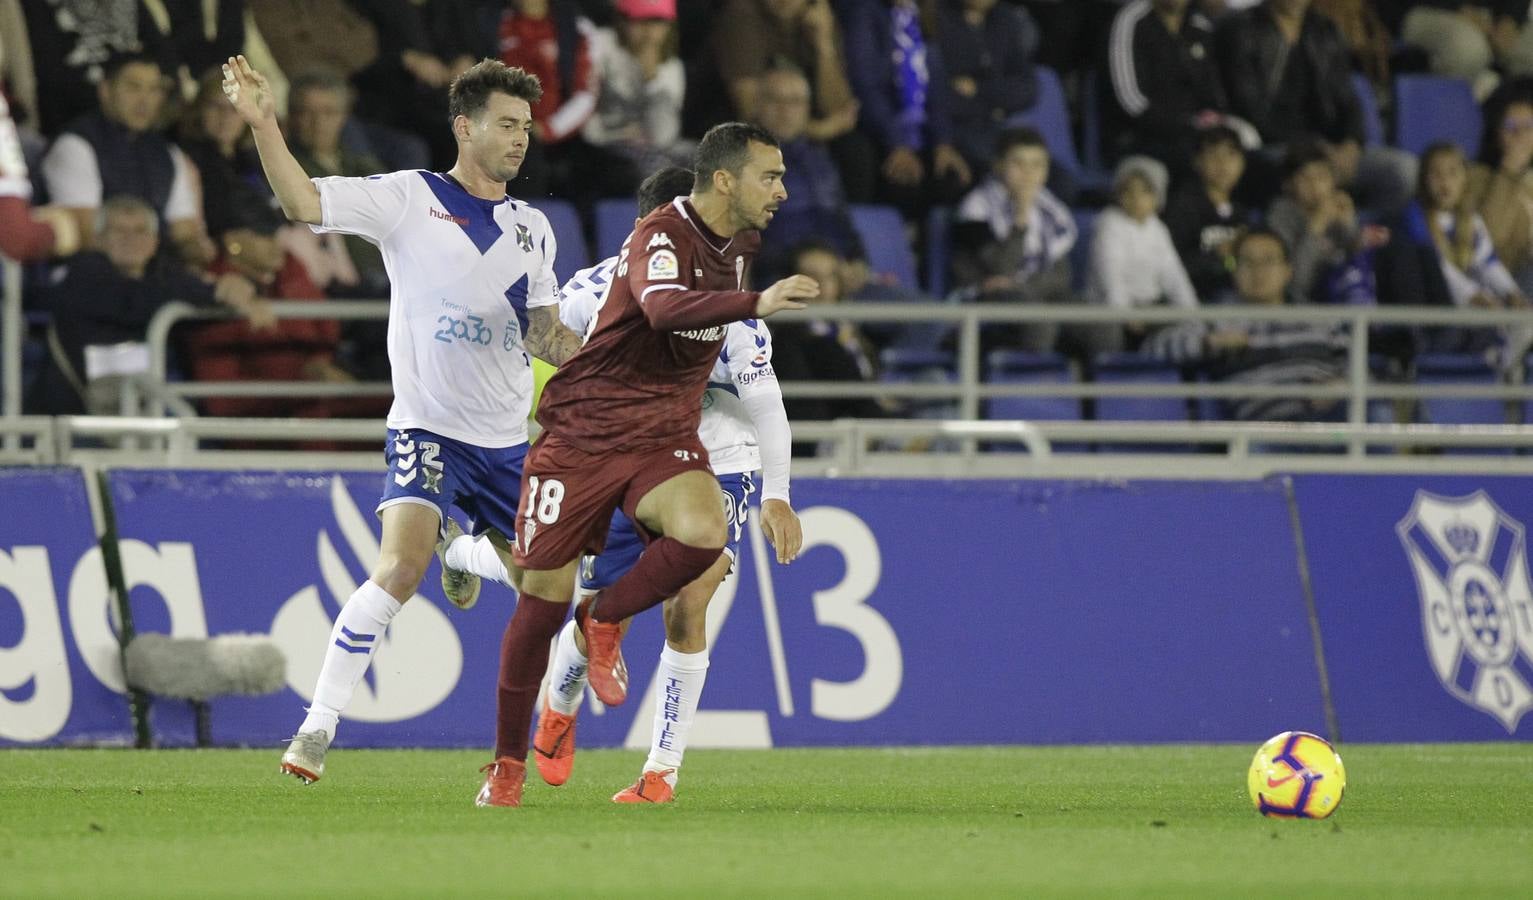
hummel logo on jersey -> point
(524, 238)
(449, 217)
(660, 239)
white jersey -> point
(13, 163)
(741, 378)
(464, 273)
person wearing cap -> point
(1134, 263)
(641, 83)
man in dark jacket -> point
(1287, 70)
(1165, 83)
(990, 49)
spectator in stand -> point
(816, 204)
(119, 150)
(1367, 35)
(822, 349)
(550, 40)
(1501, 184)
(295, 349)
(1467, 39)
(1133, 260)
(1442, 219)
(25, 233)
(755, 36)
(319, 104)
(384, 49)
(641, 84)
(1165, 84)
(191, 37)
(102, 302)
(1287, 71)
(1012, 241)
(1314, 217)
(990, 50)
(72, 44)
(1204, 217)
(1263, 353)
(902, 84)
(213, 137)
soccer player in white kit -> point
(745, 429)
(473, 294)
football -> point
(1297, 775)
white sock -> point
(477, 556)
(567, 681)
(678, 686)
(358, 632)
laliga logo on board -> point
(1471, 566)
(420, 658)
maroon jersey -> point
(638, 382)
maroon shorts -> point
(568, 495)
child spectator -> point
(1012, 240)
(1442, 219)
(1133, 260)
(1314, 217)
(640, 87)
(1203, 216)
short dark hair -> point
(1301, 153)
(726, 147)
(663, 187)
(1218, 136)
(810, 245)
(319, 80)
(1259, 231)
(470, 91)
(1019, 136)
(119, 61)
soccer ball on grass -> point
(1297, 775)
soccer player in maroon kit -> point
(620, 423)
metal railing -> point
(969, 390)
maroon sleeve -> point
(675, 310)
(664, 277)
(22, 237)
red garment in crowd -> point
(533, 45)
(232, 351)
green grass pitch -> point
(1174, 821)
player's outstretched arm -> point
(548, 338)
(252, 98)
(788, 293)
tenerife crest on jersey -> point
(1470, 562)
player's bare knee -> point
(399, 576)
(698, 528)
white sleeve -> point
(750, 365)
(71, 173)
(1174, 281)
(545, 284)
(183, 202)
(1108, 265)
(583, 296)
(370, 207)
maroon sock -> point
(523, 660)
(666, 566)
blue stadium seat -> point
(1373, 123)
(1136, 368)
(888, 248)
(1458, 368)
(1431, 108)
(939, 249)
(614, 222)
(1019, 367)
(907, 365)
(573, 254)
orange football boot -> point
(608, 672)
(650, 788)
(502, 783)
(554, 744)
